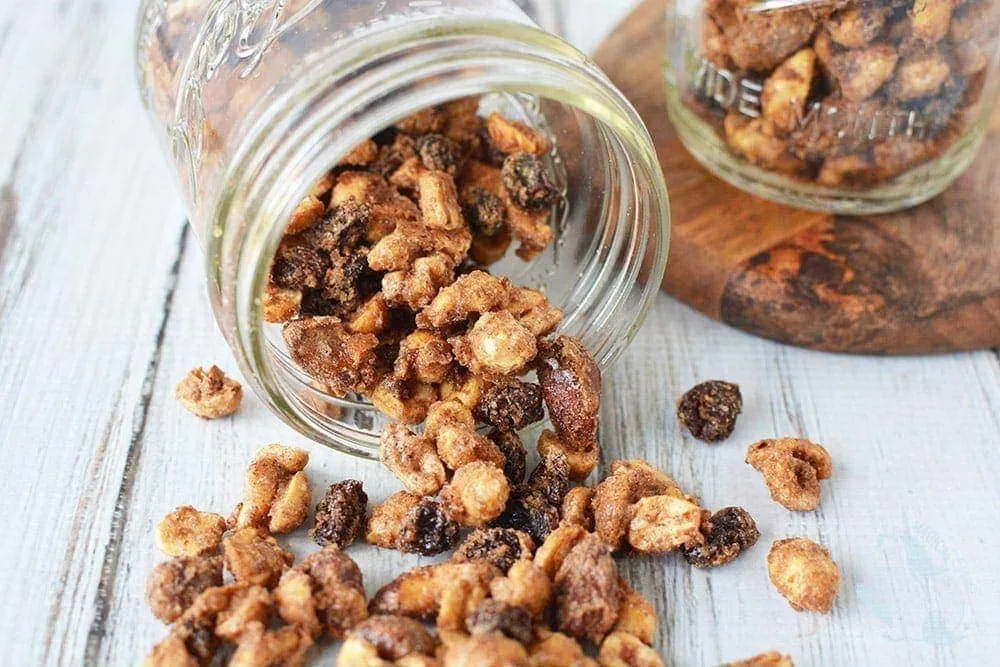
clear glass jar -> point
(256, 99)
(847, 106)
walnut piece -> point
(804, 574)
(424, 356)
(485, 650)
(580, 457)
(413, 459)
(336, 600)
(340, 514)
(471, 294)
(661, 524)
(792, 469)
(526, 585)
(386, 519)
(174, 584)
(188, 532)
(557, 545)
(324, 348)
(427, 591)
(451, 425)
(497, 344)
(476, 495)
(636, 615)
(620, 649)
(576, 508)
(254, 557)
(404, 401)
(276, 494)
(511, 136)
(587, 595)
(209, 393)
(259, 647)
(393, 637)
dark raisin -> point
(551, 478)
(315, 304)
(343, 227)
(511, 407)
(298, 267)
(439, 153)
(344, 283)
(514, 455)
(500, 546)
(484, 211)
(391, 157)
(495, 616)
(531, 512)
(427, 530)
(731, 531)
(528, 182)
(340, 514)
(709, 410)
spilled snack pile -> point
(843, 94)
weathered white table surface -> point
(103, 309)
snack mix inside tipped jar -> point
(834, 105)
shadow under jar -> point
(256, 100)
(846, 106)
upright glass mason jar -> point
(849, 106)
(256, 99)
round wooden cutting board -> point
(924, 280)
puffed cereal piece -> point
(173, 585)
(930, 19)
(511, 136)
(393, 637)
(556, 547)
(330, 354)
(387, 518)
(439, 201)
(188, 532)
(856, 27)
(587, 596)
(576, 508)
(792, 469)
(276, 493)
(919, 75)
(279, 305)
(804, 574)
(571, 385)
(767, 659)
(405, 401)
(209, 393)
(361, 155)
(471, 294)
(476, 494)
(582, 459)
(451, 425)
(533, 311)
(305, 215)
(747, 138)
(620, 649)
(636, 615)
(661, 524)
(254, 557)
(424, 356)
(485, 650)
(337, 594)
(500, 546)
(286, 646)
(783, 100)
(412, 458)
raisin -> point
(347, 282)
(340, 515)
(531, 512)
(484, 211)
(731, 531)
(343, 227)
(513, 452)
(528, 182)
(709, 410)
(511, 407)
(298, 267)
(439, 153)
(391, 156)
(494, 616)
(427, 530)
(551, 478)
(500, 546)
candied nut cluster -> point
(209, 393)
(792, 469)
(846, 94)
(804, 574)
(188, 532)
(709, 410)
(276, 494)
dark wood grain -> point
(922, 280)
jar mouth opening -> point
(619, 264)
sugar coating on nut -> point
(329, 353)
(525, 585)
(284, 646)
(188, 532)
(276, 493)
(426, 591)
(340, 514)
(424, 356)
(615, 497)
(254, 557)
(556, 649)
(729, 532)
(439, 201)
(405, 401)
(500, 546)
(804, 574)
(452, 427)
(587, 595)
(476, 494)
(621, 648)
(485, 650)
(471, 294)
(387, 519)
(412, 458)
(511, 136)
(580, 457)
(556, 547)
(337, 600)
(248, 606)
(636, 615)
(661, 524)
(792, 469)
(174, 584)
(709, 409)
(497, 344)
(571, 385)
(209, 393)
(576, 508)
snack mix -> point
(844, 94)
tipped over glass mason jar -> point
(255, 100)
(846, 106)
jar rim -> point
(442, 61)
